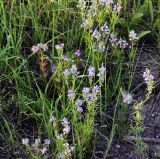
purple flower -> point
(78, 103)
(96, 89)
(65, 121)
(53, 68)
(86, 90)
(105, 28)
(66, 72)
(64, 58)
(66, 125)
(44, 47)
(66, 129)
(74, 70)
(89, 97)
(91, 71)
(79, 109)
(34, 48)
(47, 141)
(148, 76)
(102, 71)
(71, 94)
(77, 53)
(122, 44)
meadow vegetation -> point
(66, 71)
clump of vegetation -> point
(63, 65)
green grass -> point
(37, 97)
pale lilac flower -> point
(53, 68)
(133, 36)
(101, 46)
(117, 8)
(66, 129)
(47, 141)
(78, 53)
(78, 103)
(148, 76)
(105, 28)
(96, 34)
(122, 44)
(79, 109)
(64, 58)
(86, 90)
(25, 141)
(37, 142)
(44, 150)
(71, 94)
(61, 155)
(102, 71)
(113, 39)
(91, 71)
(66, 124)
(127, 98)
(89, 97)
(65, 121)
(44, 47)
(34, 48)
(74, 70)
(66, 72)
(95, 89)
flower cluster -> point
(78, 105)
(117, 8)
(37, 146)
(148, 77)
(90, 95)
(72, 71)
(77, 53)
(36, 48)
(59, 47)
(127, 98)
(66, 126)
(114, 41)
(65, 149)
(67, 152)
(91, 71)
(133, 36)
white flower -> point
(25, 141)
(52, 119)
(133, 36)
(127, 98)
(59, 47)
(44, 150)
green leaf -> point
(143, 33)
(137, 16)
(122, 21)
(151, 10)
